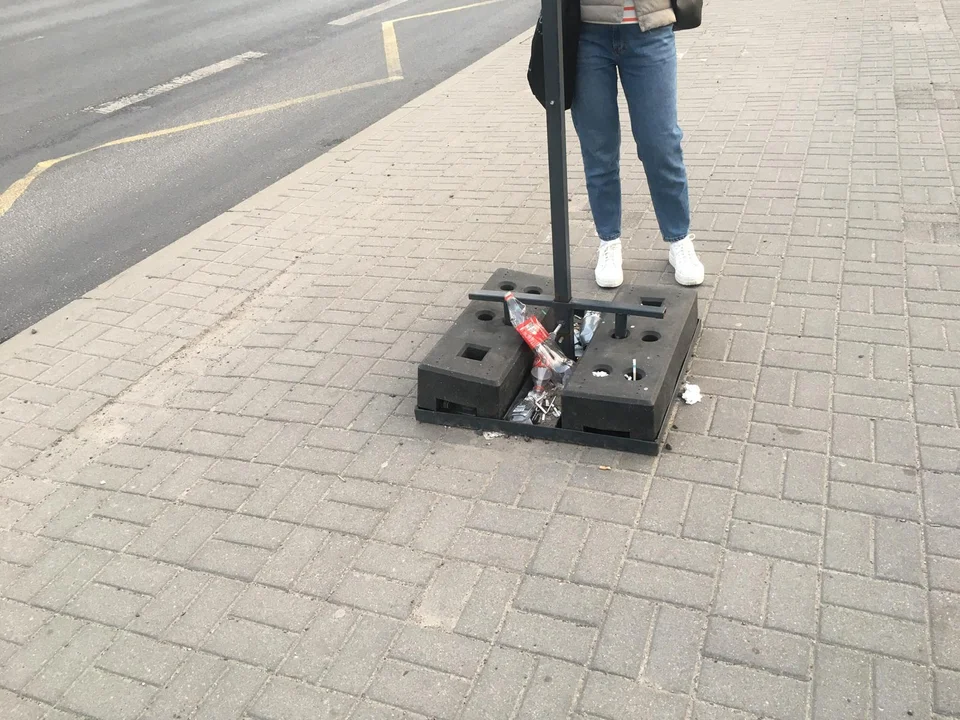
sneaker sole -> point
(686, 282)
(609, 286)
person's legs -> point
(648, 70)
(596, 117)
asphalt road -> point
(88, 218)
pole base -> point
(610, 412)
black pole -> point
(557, 155)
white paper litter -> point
(601, 373)
(691, 394)
(491, 435)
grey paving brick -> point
(236, 687)
(372, 710)
(598, 506)
(752, 690)
(665, 506)
(944, 573)
(419, 689)
(610, 696)
(326, 569)
(941, 496)
(103, 694)
(504, 551)
(548, 636)
(440, 650)
(898, 550)
(946, 697)
(377, 594)
(804, 477)
(847, 544)
(560, 548)
(709, 711)
(902, 689)
(442, 603)
(945, 619)
(485, 610)
(568, 601)
(285, 699)
(283, 566)
(546, 484)
(318, 645)
(778, 542)
(62, 670)
(713, 472)
(18, 622)
(300, 502)
(874, 501)
(403, 520)
(142, 658)
(776, 652)
(882, 476)
(358, 659)
(853, 436)
(442, 525)
(778, 513)
(194, 620)
(232, 560)
(246, 530)
(501, 685)
(792, 601)
(552, 690)
(107, 605)
(843, 685)
(708, 513)
(185, 540)
(675, 647)
(744, 587)
(507, 521)
(876, 633)
(31, 656)
(250, 642)
(397, 563)
(659, 582)
(612, 482)
(280, 609)
(903, 601)
(601, 556)
(686, 554)
(346, 518)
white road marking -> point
(361, 14)
(204, 72)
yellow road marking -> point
(391, 50)
(15, 191)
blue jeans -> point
(647, 63)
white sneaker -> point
(683, 258)
(610, 264)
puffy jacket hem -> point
(650, 21)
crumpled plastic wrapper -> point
(691, 394)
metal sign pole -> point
(557, 155)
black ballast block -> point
(480, 364)
(618, 406)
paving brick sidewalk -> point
(216, 502)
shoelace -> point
(685, 250)
(607, 252)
